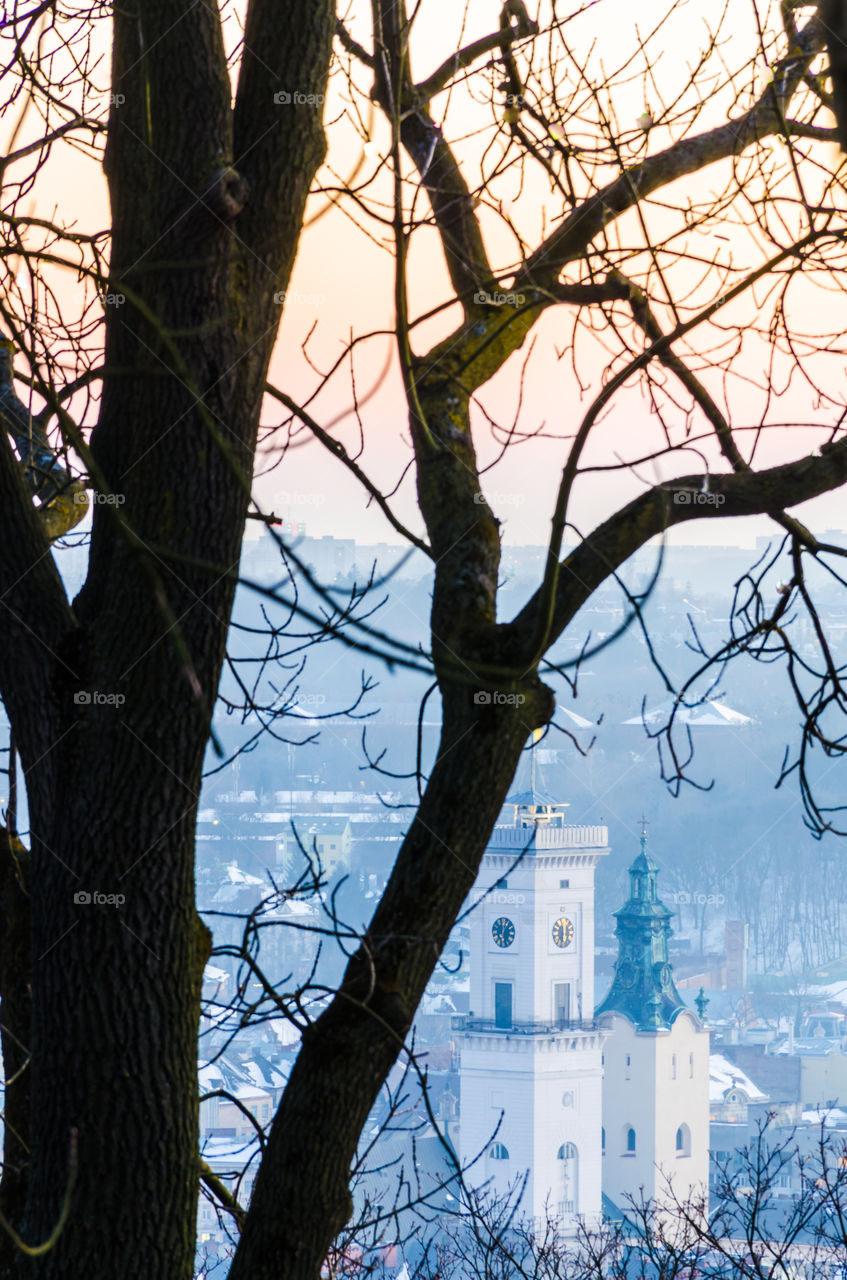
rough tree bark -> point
(207, 202)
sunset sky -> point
(343, 281)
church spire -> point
(643, 988)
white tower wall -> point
(657, 1082)
(541, 1071)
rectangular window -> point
(502, 1004)
(561, 1003)
(673, 1067)
(502, 884)
(691, 1066)
(564, 884)
(628, 1065)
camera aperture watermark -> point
(95, 698)
(94, 898)
(497, 299)
(500, 499)
(697, 498)
(291, 298)
(497, 698)
(99, 499)
(294, 98)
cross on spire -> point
(645, 822)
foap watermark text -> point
(94, 698)
(94, 898)
(496, 698)
(697, 498)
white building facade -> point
(656, 1088)
(531, 1055)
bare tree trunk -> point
(207, 204)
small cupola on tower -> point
(643, 988)
(535, 808)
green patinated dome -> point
(643, 988)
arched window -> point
(673, 1066)
(603, 1140)
(683, 1140)
(499, 1151)
(629, 1133)
(569, 1203)
(691, 1066)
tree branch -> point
(464, 57)
(352, 46)
(439, 172)
(675, 502)
(222, 1193)
(690, 155)
(336, 448)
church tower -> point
(531, 1055)
(656, 1089)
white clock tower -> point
(531, 1056)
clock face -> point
(503, 931)
(563, 932)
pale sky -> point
(343, 284)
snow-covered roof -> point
(437, 1003)
(283, 1031)
(811, 1047)
(236, 876)
(222, 1154)
(724, 1076)
(331, 797)
(210, 1076)
(268, 1075)
(251, 1079)
(831, 1118)
(707, 713)
(579, 721)
(335, 824)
